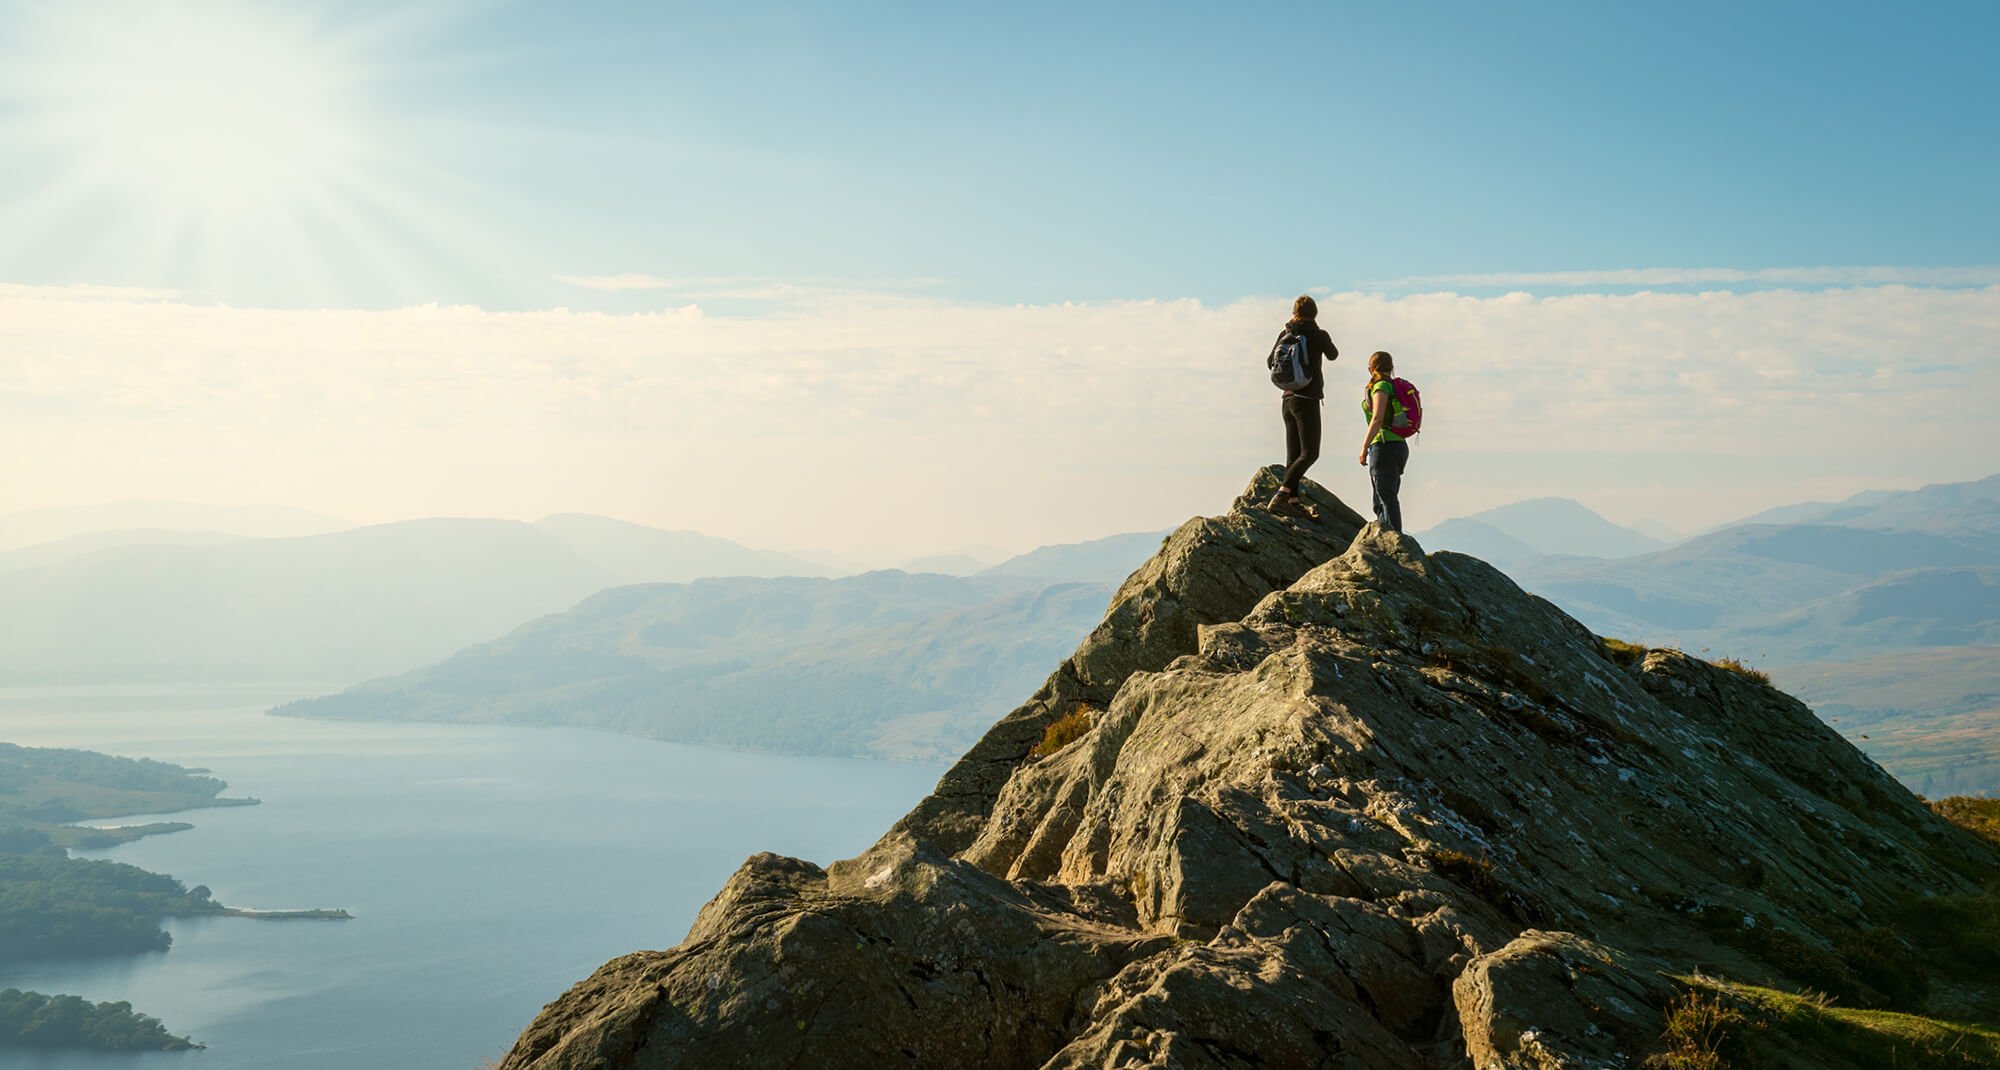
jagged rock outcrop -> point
(1341, 804)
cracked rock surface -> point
(1341, 804)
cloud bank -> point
(1622, 278)
(891, 425)
(629, 280)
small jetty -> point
(315, 914)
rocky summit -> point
(1311, 797)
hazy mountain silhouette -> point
(885, 663)
(1481, 540)
(1549, 526)
(1964, 509)
(48, 553)
(36, 526)
(635, 553)
(331, 608)
(946, 564)
(1745, 580)
(1657, 529)
(1109, 559)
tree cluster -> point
(33, 1020)
(57, 906)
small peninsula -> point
(56, 906)
(32, 1020)
(44, 790)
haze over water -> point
(487, 868)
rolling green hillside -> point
(1931, 716)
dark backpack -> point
(1290, 362)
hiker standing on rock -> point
(1390, 404)
(1296, 364)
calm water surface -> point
(487, 869)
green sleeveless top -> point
(1368, 410)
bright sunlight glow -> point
(224, 140)
(194, 109)
(206, 115)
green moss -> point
(1063, 731)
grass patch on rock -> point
(1702, 1033)
(1063, 731)
(1739, 668)
(1980, 817)
(1720, 1025)
(1623, 654)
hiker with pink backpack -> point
(1395, 412)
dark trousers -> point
(1386, 461)
(1301, 438)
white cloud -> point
(1633, 277)
(744, 287)
(904, 425)
(84, 292)
(627, 281)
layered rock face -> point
(1340, 804)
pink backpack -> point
(1413, 407)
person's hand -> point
(1364, 457)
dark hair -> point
(1381, 365)
(1305, 308)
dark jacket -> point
(1319, 350)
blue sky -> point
(729, 266)
(1089, 152)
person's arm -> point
(1381, 401)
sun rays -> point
(250, 148)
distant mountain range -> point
(1541, 527)
(1106, 560)
(37, 526)
(1836, 596)
(336, 607)
(1941, 508)
(946, 564)
(889, 664)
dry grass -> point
(1740, 669)
(1981, 817)
(1628, 655)
(1721, 1025)
(1701, 1034)
(1063, 731)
